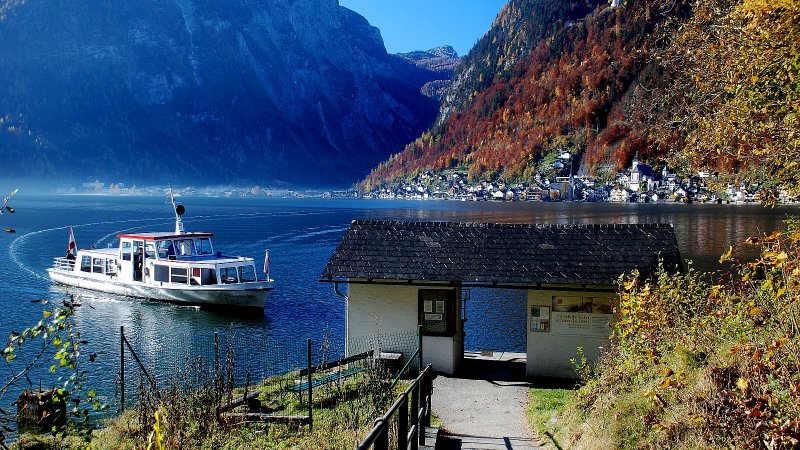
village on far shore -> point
(639, 184)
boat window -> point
(184, 247)
(161, 272)
(86, 264)
(166, 250)
(179, 275)
(228, 275)
(98, 264)
(204, 246)
(208, 276)
(126, 250)
(150, 250)
(247, 274)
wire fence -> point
(275, 381)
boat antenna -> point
(179, 210)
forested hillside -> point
(702, 85)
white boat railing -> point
(63, 263)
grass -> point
(343, 415)
(543, 409)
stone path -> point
(482, 414)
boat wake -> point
(13, 248)
(17, 245)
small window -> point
(126, 251)
(208, 276)
(98, 264)
(204, 246)
(86, 264)
(166, 250)
(179, 275)
(437, 312)
(161, 272)
(150, 250)
(184, 247)
(227, 275)
(247, 274)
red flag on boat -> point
(266, 263)
(72, 247)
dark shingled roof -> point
(489, 253)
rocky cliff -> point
(196, 91)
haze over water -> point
(301, 235)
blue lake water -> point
(301, 235)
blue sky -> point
(408, 25)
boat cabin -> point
(167, 258)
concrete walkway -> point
(483, 407)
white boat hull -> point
(244, 295)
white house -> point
(401, 275)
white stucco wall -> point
(387, 309)
(549, 352)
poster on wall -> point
(540, 318)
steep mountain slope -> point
(660, 79)
(545, 73)
(194, 91)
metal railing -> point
(413, 436)
(63, 263)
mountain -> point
(694, 84)
(442, 60)
(194, 91)
(438, 59)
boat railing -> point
(63, 263)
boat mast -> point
(179, 210)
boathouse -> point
(400, 275)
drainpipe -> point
(346, 314)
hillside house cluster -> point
(640, 183)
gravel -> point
(482, 414)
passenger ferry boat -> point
(178, 267)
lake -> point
(301, 234)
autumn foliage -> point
(560, 97)
(703, 84)
(700, 361)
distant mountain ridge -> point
(442, 60)
(438, 59)
(300, 91)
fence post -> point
(419, 346)
(428, 395)
(122, 369)
(217, 379)
(310, 395)
(382, 442)
(402, 423)
(415, 417)
(420, 391)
